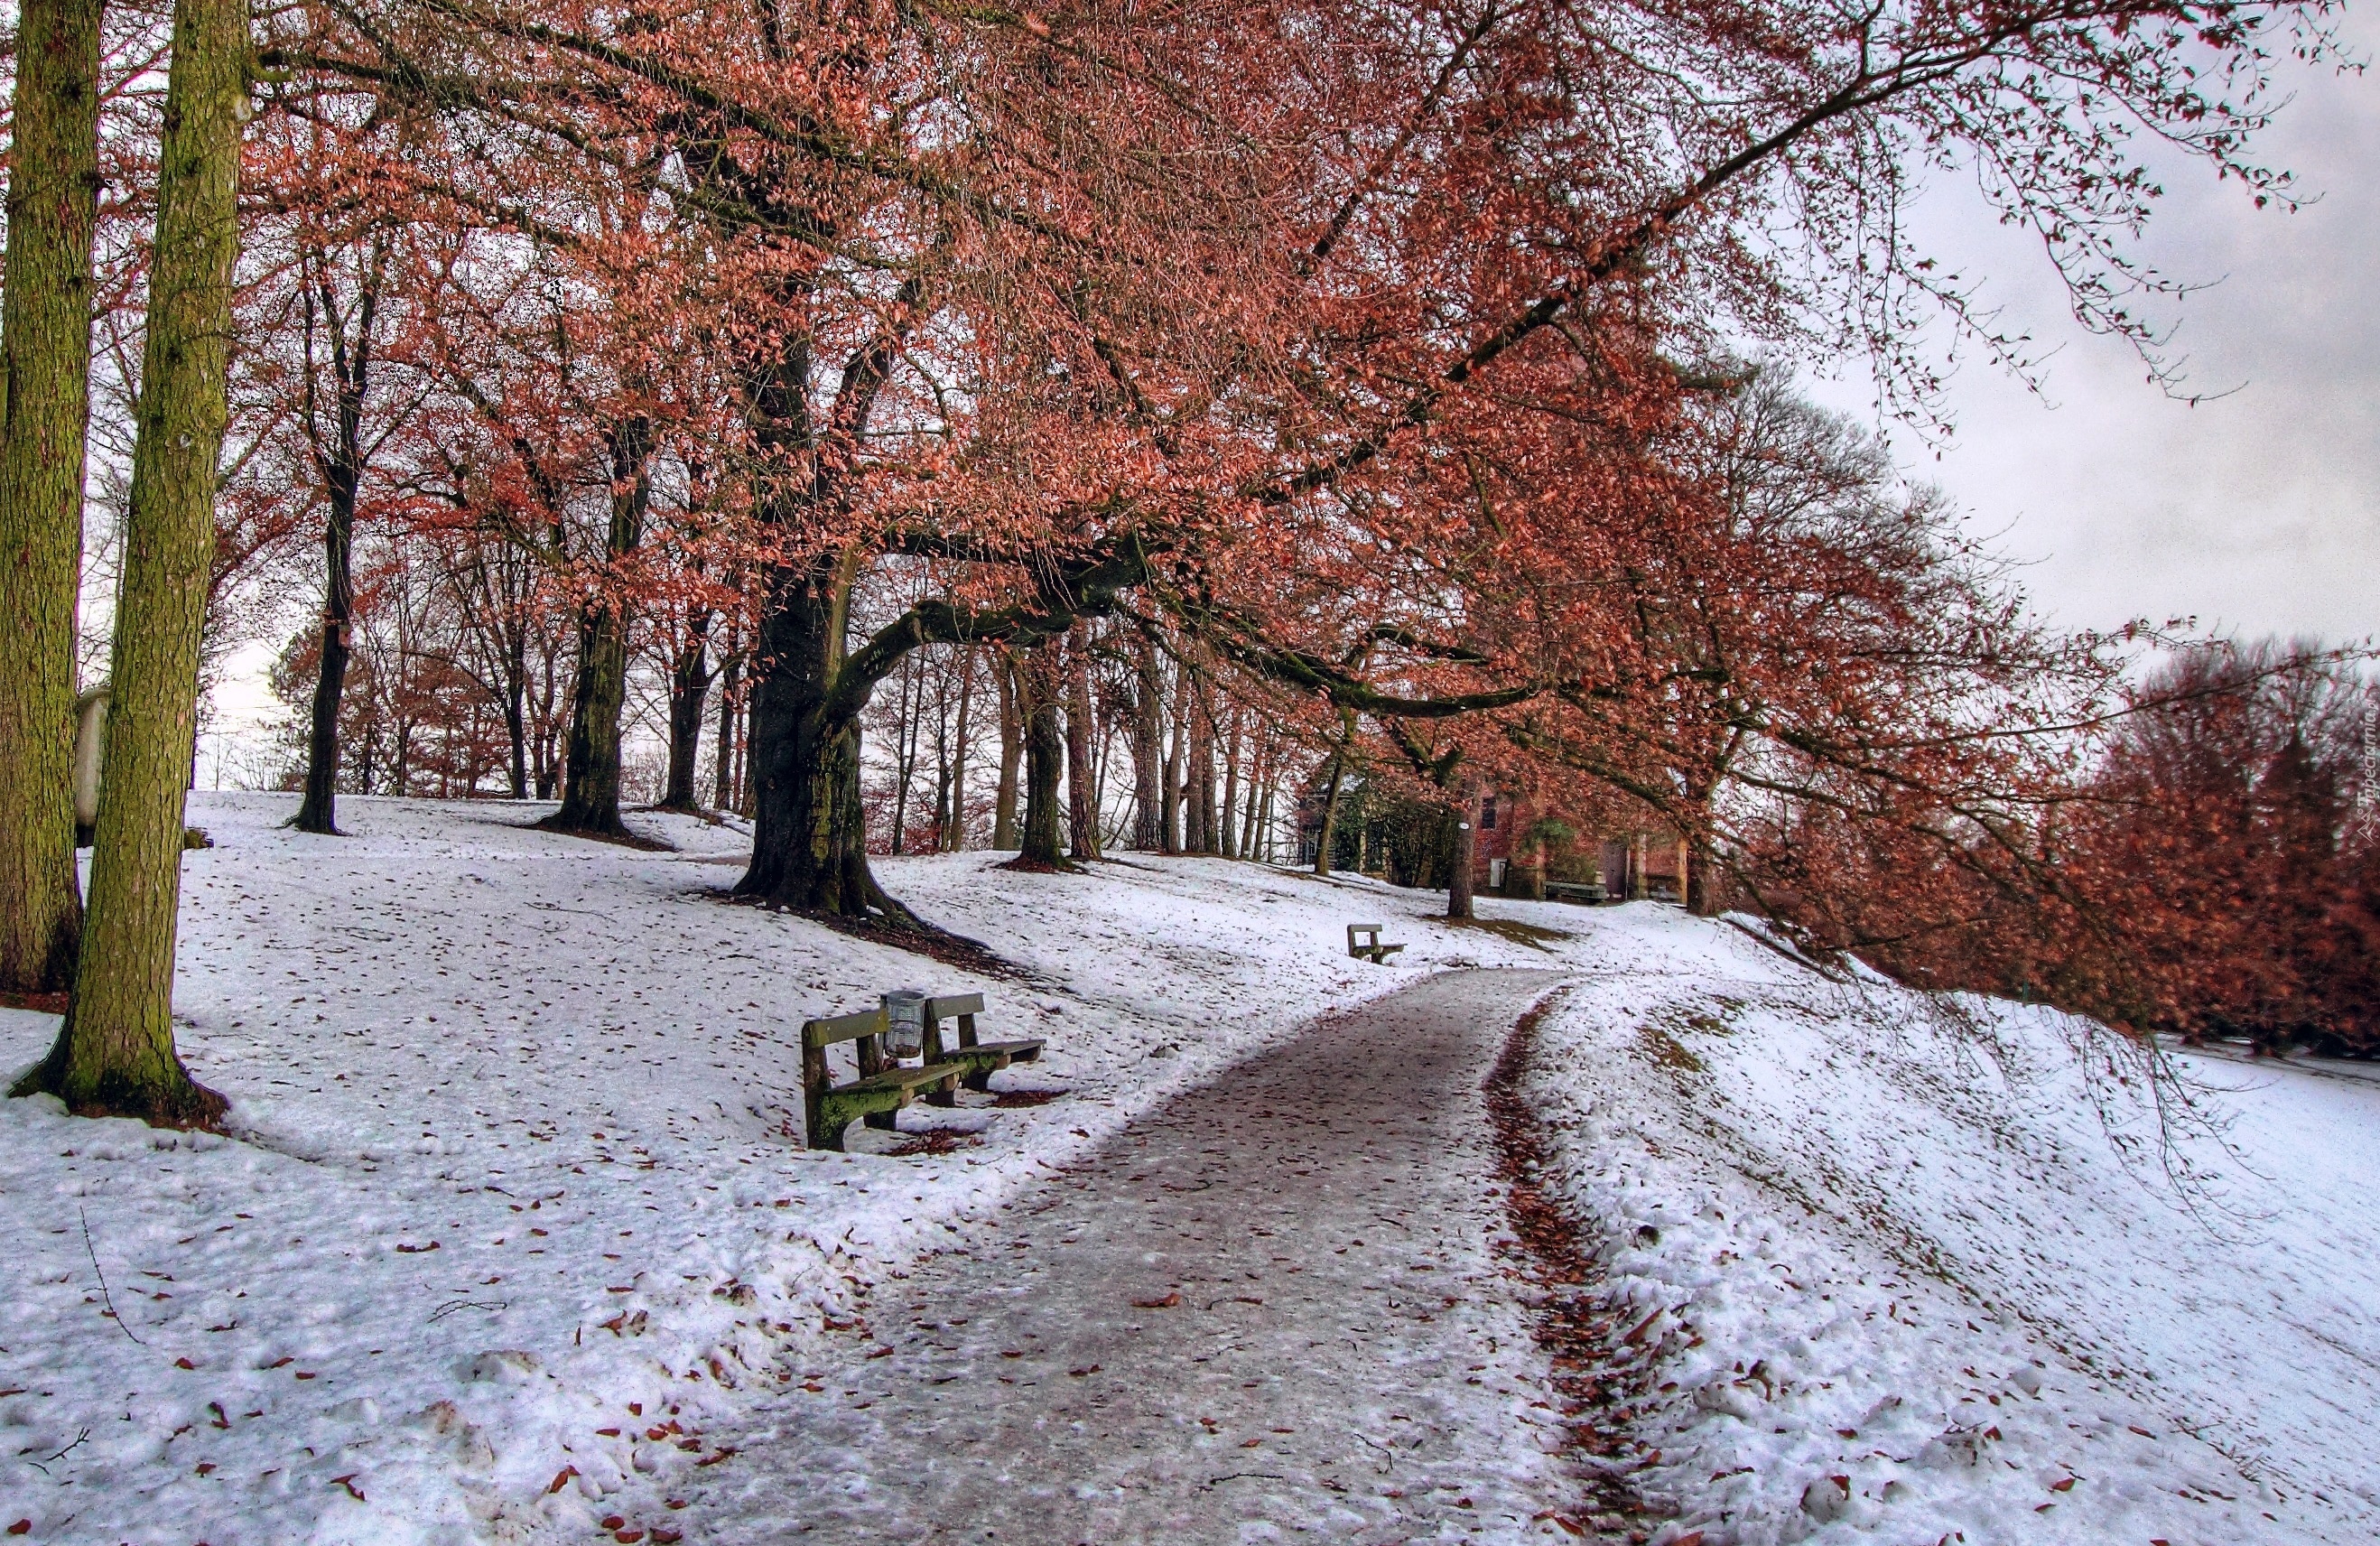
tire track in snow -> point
(1278, 1307)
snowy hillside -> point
(516, 1228)
(519, 1197)
(1910, 1286)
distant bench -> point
(1364, 943)
(884, 1085)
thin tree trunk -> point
(905, 759)
(1174, 837)
(547, 772)
(1045, 751)
(590, 780)
(318, 811)
(1011, 745)
(1261, 765)
(45, 398)
(339, 462)
(942, 763)
(515, 710)
(1199, 838)
(115, 1053)
(1331, 795)
(689, 688)
(1082, 778)
(1149, 752)
(954, 835)
(722, 784)
(749, 712)
(1224, 828)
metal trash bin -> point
(904, 1023)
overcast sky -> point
(2259, 513)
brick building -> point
(1511, 845)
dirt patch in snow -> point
(934, 942)
(1598, 1370)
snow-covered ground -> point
(1930, 1271)
(518, 1230)
(519, 1217)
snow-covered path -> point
(1272, 1308)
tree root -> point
(178, 1101)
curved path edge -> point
(1289, 1303)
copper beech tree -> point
(1205, 316)
(1354, 354)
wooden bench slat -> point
(842, 1028)
(985, 1058)
(898, 1078)
(1021, 1051)
(957, 1004)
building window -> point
(1488, 814)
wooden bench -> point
(1573, 890)
(883, 1086)
(980, 1059)
(1364, 943)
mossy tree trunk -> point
(45, 404)
(116, 1054)
(810, 838)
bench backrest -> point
(817, 1034)
(957, 1004)
(1355, 928)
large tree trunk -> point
(45, 405)
(1467, 849)
(116, 1054)
(590, 780)
(1045, 751)
(1012, 747)
(1149, 752)
(810, 846)
(1082, 783)
(1701, 898)
(689, 687)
